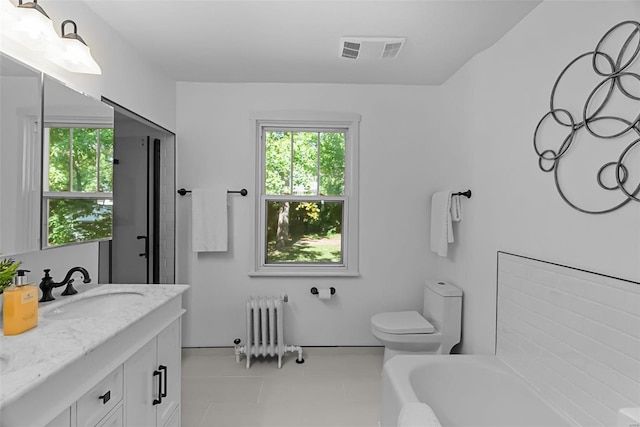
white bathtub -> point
(464, 390)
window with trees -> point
(307, 216)
(77, 183)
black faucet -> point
(47, 284)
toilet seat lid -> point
(402, 322)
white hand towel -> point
(417, 414)
(209, 229)
(456, 208)
(441, 226)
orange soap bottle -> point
(20, 307)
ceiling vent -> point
(350, 50)
(370, 47)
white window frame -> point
(64, 122)
(304, 121)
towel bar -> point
(242, 192)
(466, 194)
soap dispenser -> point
(20, 309)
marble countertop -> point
(30, 358)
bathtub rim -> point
(397, 372)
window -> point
(307, 203)
(77, 183)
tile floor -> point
(334, 387)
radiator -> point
(265, 331)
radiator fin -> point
(264, 328)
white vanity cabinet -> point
(97, 371)
(102, 398)
(62, 420)
(144, 390)
(152, 380)
(116, 419)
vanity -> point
(108, 356)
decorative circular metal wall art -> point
(618, 83)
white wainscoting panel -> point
(573, 335)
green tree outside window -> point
(304, 164)
(80, 168)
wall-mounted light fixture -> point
(30, 26)
(72, 53)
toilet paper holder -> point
(314, 290)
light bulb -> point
(76, 57)
(29, 26)
(71, 53)
(7, 15)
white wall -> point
(490, 110)
(216, 146)
(473, 132)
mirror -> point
(56, 174)
(77, 164)
(20, 154)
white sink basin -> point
(92, 306)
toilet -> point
(436, 331)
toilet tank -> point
(443, 307)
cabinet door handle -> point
(105, 397)
(164, 379)
(159, 399)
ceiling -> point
(298, 41)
